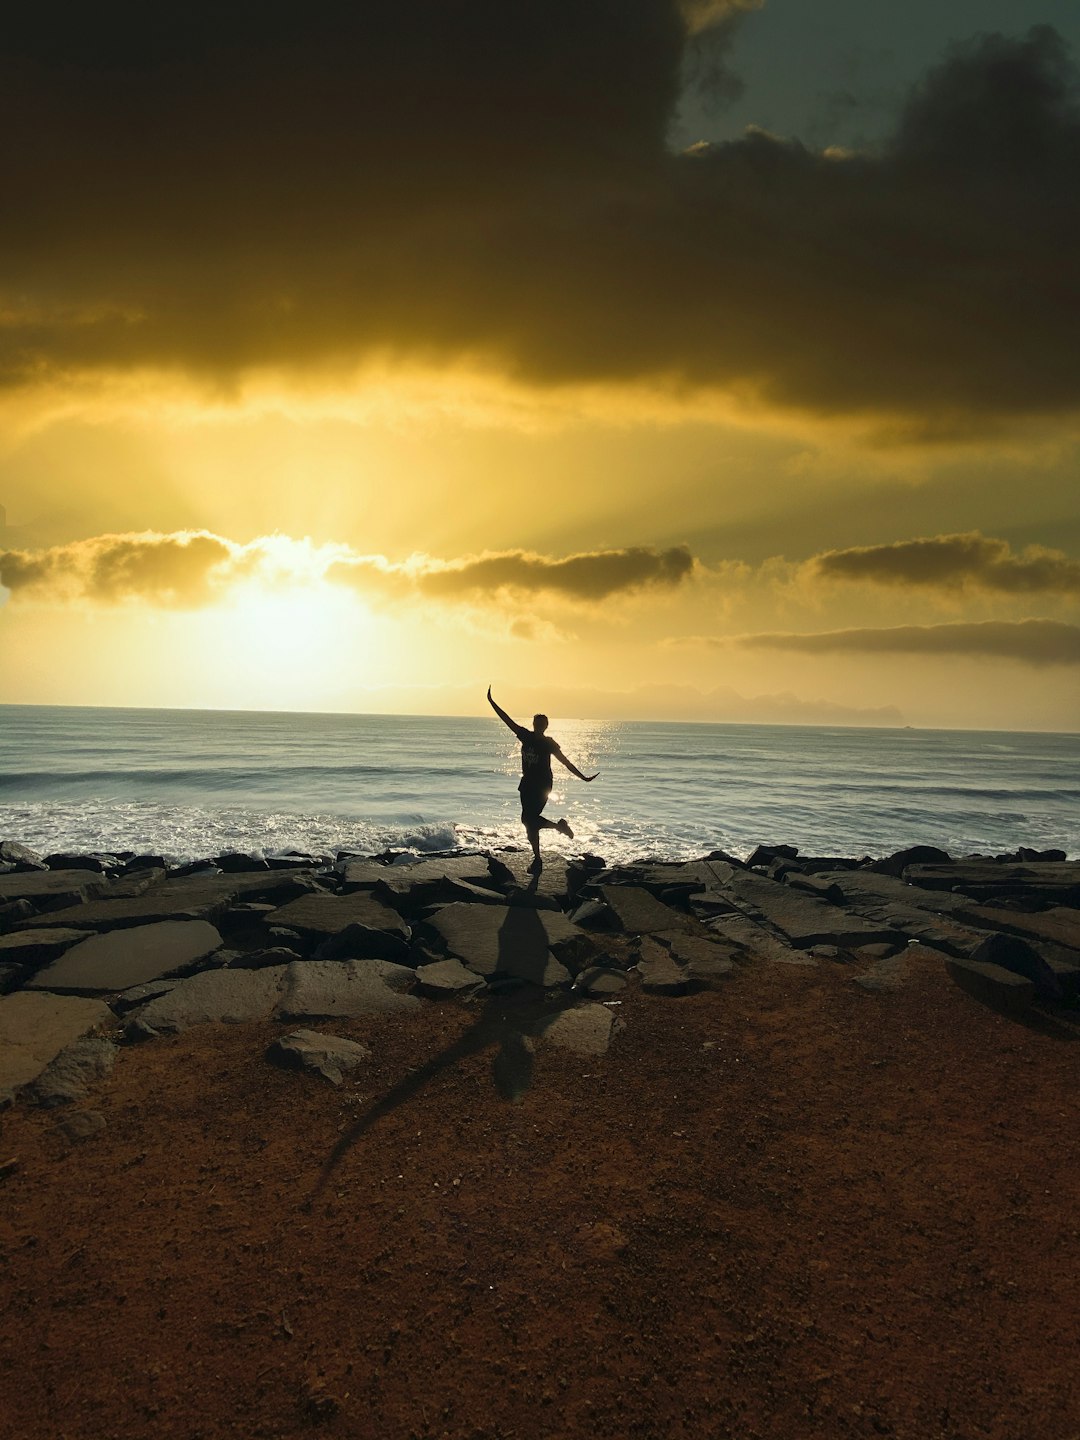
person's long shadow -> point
(506, 1021)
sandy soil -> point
(787, 1209)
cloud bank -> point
(1032, 642)
(953, 562)
(489, 183)
(189, 569)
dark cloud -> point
(595, 575)
(1034, 642)
(218, 187)
(951, 562)
(162, 569)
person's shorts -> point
(533, 800)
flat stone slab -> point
(325, 915)
(447, 977)
(756, 942)
(661, 973)
(400, 879)
(601, 980)
(230, 997)
(123, 958)
(361, 874)
(34, 1028)
(987, 879)
(52, 889)
(344, 989)
(189, 897)
(511, 868)
(331, 1056)
(584, 1030)
(37, 947)
(68, 1078)
(510, 940)
(1060, 925)
(991, 984)
(707, 962)
(806, 921)
(639, 912)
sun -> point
(294, 646)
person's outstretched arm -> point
(518, 730)
(572, 767)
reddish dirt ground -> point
(787, 1209)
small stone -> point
(81, 1125)
(69, 1077)
(584, 1030)
(599, 980)
(331, 1056)
(447, 977)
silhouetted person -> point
(535, 784)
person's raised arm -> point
(572, 767)
(504, 717)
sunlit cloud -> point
(191, 569)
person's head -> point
(540, 723)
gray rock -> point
(897, 863)
(600, 980)
(331, 1056)
(12, 853)
(707, 961)
(661, 973)
(123, 958)
(34, 948)
(362, 942)
(594, 915)
(405, 880)
(344, 989)
(52, 889)
(136, 1031)
(13, 912)
(260, 959)
(510, 870)
(34, 1028)
(756, 942)
(446, 978)
(361, 874)
(324, 915)
(584, 1030)
(69, 1076)
(1017, 955)
(82, 1125)
(140, 994)
(221, 996)
(640, 913)
(999, 988)
(766, 854)
(195, 897)
(817, 885)
(987, 880)
(62, 861)
(234, 862)
(11, 976)
(803, 919)
(510, 940)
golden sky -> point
(353, 357)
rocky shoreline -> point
(102, 950)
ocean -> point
(191, 783)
